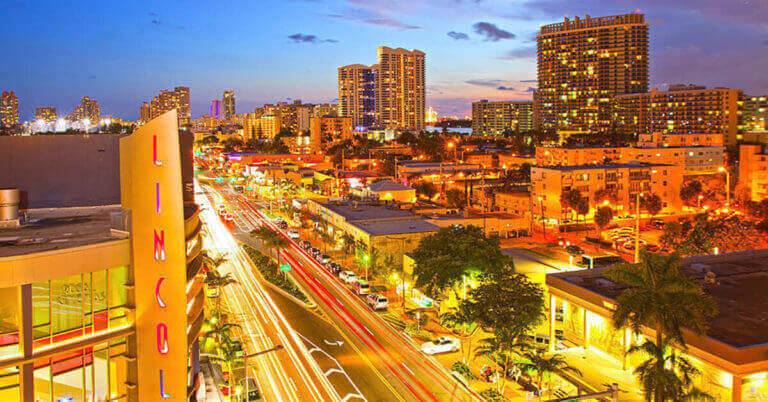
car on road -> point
(323, 258)
(293, 234)
(348, 276)
(377, 302)
(656, 224)
(314, 251)
(362, 288)
(305, 244)
(574, 250)
(333, 268)
(442, 344)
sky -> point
(123, 53)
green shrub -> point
(270, 271)
(464, 370)
(491, 394)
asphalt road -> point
(383, 363)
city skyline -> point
(476, 50)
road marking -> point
(337, 343)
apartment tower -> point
(491, 118)
(584, 63)
(357, 94)
(228, 105)
(400, 89)
(9, 109)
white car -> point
(348, 276)
(293, 234)
(442, 344)
(377, 302)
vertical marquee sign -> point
(151, 188)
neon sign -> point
(156, 161)
(162, 388)
(162, 338)
(159, 299)
(159, 247)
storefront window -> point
(603, 335)
(9, 384)
(9, 321)
(41, 310)
(573, 323)
(66, 305)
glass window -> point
(9, 321)
(9, 384)
(41, 310)
(66, 304)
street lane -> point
(407, 372)
(290, 374)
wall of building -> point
(62, 170)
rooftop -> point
(366, 212)
(59, 228)
(741, 321)
(388, 185)
(603, 166)
(383, 228)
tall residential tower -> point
(228, 105)
(9, 109)
(584, 63)
(400, 89)
(357, 94)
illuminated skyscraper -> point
(494, 118)
(144, 112)
(9, 109)
(584, 63)
(357, 94)
(228, 104)
(216, 109)
(400, 89)
(88, 109)
(46, 114)
(167, 100)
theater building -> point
(102, 301)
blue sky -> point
(122, 53)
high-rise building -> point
(88, 109)
(144, 112)
(325, 109)
(400, 89)
(681, 109)
(167, 100)
(357, 94)
(228, 105)
(216, 109)
(583, 63)
(494, 118)
(9, 109)
(754, 113)
(46, 114)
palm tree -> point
(347, 245)
(658, 295)
(667, 376)
(214, 280)
(270, 239)
(546, 366)
(213, 262)
(463, 318)
(502, 347)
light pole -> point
(698, 205)
(727, 187)
(637, 229)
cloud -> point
(492, 32)
(530, 89)
(458, 35)
(302, 38)
(532, 80)
(156, 22)
(503, 88)
(485, 83)
(520, 53)
(373, 17)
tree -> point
(463, 318)
(212, 262)
(502, 347)
(270, 239)
(505, 300)
(604, 194)
(546, 366)
(603, 217)
(443, 259)
(651, 203)
(660, 296)
(214, 280)
(348, 245)
(703, 234)
(666, 376)
(690, 192)
(425, 188)
(582, 208)
(571, 199)
(455, 198)
(407, 138)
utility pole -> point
(637, 229)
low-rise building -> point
(330, 129)
(514, 161)
(574, 156)
(627, 180)
(753, 171)
(733, 354)
(513, 202)
(388, 190)
(651, 140)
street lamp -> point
(727, 187)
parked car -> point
(348, 276)
(574, 250)
(323, 258)
(305, 244)
(293, 234)
(333, 268)
(443, 344)
(314, 251)
(656, 224)
(377, 302)
(362, 288)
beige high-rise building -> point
(400, 89)
(9, 109)
(681, 109)
(494, 118)
(144, 112)
(88, 109)
(583, 64)
(167, 100)
(357, 94)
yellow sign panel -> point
(151, 186)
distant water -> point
(460, 130)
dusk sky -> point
(122, 53)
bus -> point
(599, 261)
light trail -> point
(262, 319)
